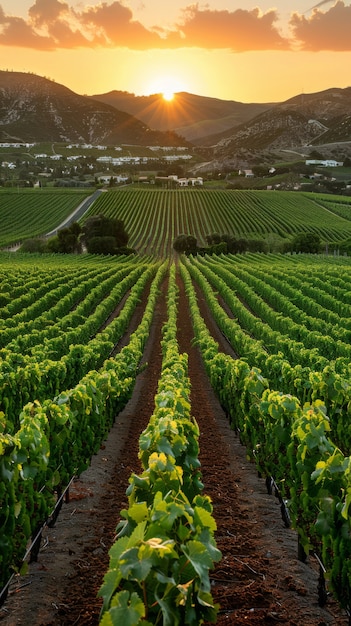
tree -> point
(102, 245)
(213, 239)
(107, 229)
(186, 244)
(53, 245)
(67, 240)
(237, 246)
(257, 245)
(218, 248)
(306, 242)
(33, 245)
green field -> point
(26, 213)
(154, 217)
(284, 380)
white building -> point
(106, 178)
(246, 173)
(324, 163)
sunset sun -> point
(168, 95)
(167, 86)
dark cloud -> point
(324, 30)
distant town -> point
(86, 165)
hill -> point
(306, 120)
(194, 117)
(303, 122)
(35, 109)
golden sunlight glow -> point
(168, 95)
(166, 85)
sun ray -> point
(168, 95)
(166, 84)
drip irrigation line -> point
(37, 537)
(48, 520)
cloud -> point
(48, 11)
(14, 31)
(54, 24)
(240, 30)
(115, 24)
(328, 30)
(50, 25)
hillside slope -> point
(35, 109)
(194, 117)
(307, 120)
(155, 217)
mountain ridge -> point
(33, 108)
(304, 122)
(189, 115)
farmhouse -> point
(16, 145)
(246, 173)
(190, 182)
(173, 180)
(117, 178)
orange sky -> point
(249, 52)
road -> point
(77, 213)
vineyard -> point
(272, 333)
(283, 381)
(154, 217)
(34, 212)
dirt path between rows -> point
(258, 581)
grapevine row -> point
(56, 439)
(293, 443)
(27, 213)
(169, 213)
(42, 375)
(291, 368)
(159, 565)
(285, 317)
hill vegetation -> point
(191, 116)
(33, 108)
(300, 123)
